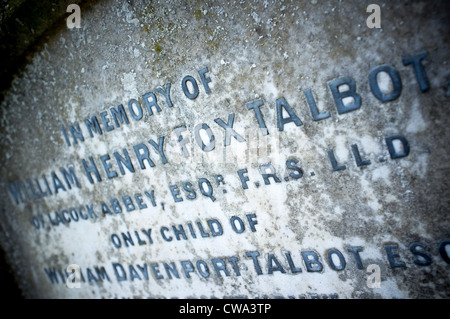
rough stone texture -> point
(253, 50)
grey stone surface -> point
(254, 51)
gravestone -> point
(269, 149)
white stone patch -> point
(370, 194)
(385, 82)
(382, 173)
(341, 151)
(421, 165)
(256, 17)
(129, 83)
(415, 122)
(136, 53)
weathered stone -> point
(255, 149)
